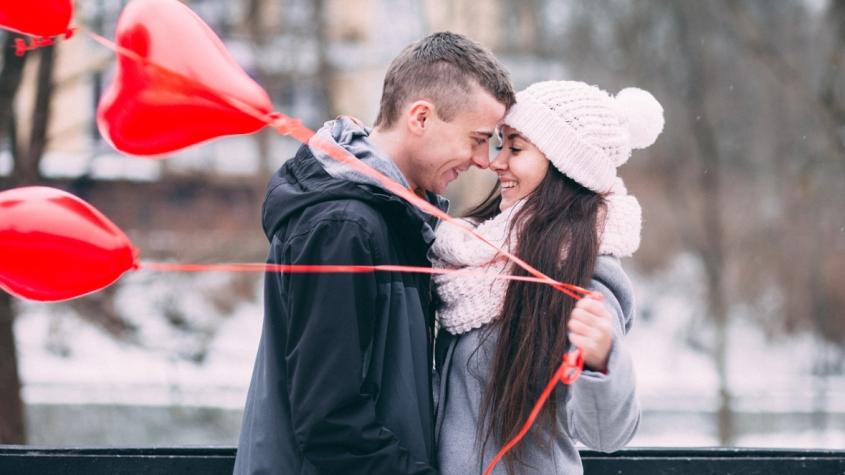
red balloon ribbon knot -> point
(21, 46)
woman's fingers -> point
(592, 306)
(600, 320)
(584, 325)
(591, 330)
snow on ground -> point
(674, 370)
(778, 401)
(101, 369)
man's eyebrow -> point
(514, 135)
(484, 133)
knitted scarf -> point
(472, 301)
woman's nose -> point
(500, 162)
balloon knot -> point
(21, 46)
(284, 124)
(136, 261)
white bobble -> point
(644, 114)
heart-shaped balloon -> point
(37, 18)
(176, 85)
(56, 246)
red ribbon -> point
(341, 269)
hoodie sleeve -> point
(603, 412)
(331, 326)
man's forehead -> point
(481, 102)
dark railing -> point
(28, 460)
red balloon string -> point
(571, 290)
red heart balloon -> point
(56, 246)
(37, 18)
(175, 84)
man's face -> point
(448, 149)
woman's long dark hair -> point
(557, 234)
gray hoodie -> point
(601, 411)
(355, 138)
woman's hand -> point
(590, 329)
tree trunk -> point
(10, 81)
(10, 78)
(26, 161)
(711, 249)
(29, 160)
(12, 426)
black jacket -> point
(342, 379)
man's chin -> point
(440, 188)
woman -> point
(562, 209)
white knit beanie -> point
(587, 134)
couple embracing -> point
(401, 373)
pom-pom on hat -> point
(583, 131)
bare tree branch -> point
(710, 182)
(749, 36)
(835, 63)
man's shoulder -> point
(344, 209)
(353, 215)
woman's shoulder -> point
(609, 268)
(613, 282)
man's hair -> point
(443, 68)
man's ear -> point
(419, 116)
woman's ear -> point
(419, 116)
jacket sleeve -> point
(331, 325)
(603, 412)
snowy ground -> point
(77, 378)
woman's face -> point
(520, 165)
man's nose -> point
(481, 159)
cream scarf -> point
(472, 301)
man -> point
(342, 379)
